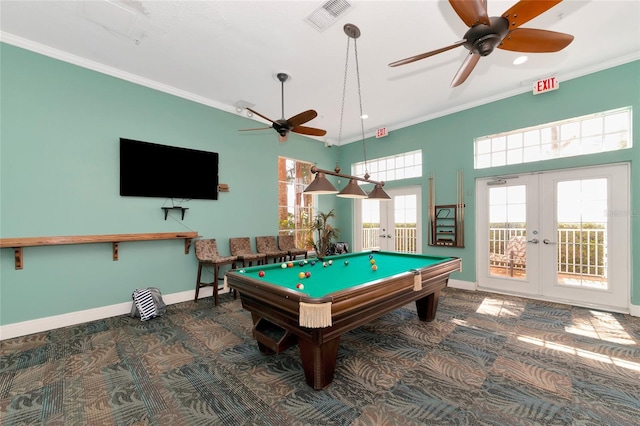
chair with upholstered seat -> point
(517, 253)
(267, 246)
(288, 243)
(514, 257)
(241, 247)
(207, 254)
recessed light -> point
(520, 60)
(364, 116)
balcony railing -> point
(405, 239)
(581, 251)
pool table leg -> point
(319, 361)
(427, 306)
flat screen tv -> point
(153, 170)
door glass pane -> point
(507, 231)
(370, 224)
(405, 213)
(582, 230)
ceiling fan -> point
(503, 32)
(293, 124)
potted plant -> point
(325, 233)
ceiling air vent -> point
(325, 15)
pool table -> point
(339, 294)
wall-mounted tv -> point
(153, 170)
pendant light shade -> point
(321, 185)
(377, 193)
(352, 190)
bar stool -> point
(267, 246)
(241, 247)
(207, 254)
(288, 243)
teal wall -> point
(447, 146)
(59, 163)
(59, 132)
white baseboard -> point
(634, 310)
(462, 285)
(18, 329)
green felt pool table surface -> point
(344, 272)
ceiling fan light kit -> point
(503, 32)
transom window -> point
(395, 167)
(589, 134)
(295, 208)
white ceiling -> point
(224, 53)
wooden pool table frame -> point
(275, 313)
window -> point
(589, 134)
(295, 208)
(395, 167)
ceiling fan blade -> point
(302, 118)
(257, 128)
(260, 115)
(465, 69)
(535, 41)
(472, 12)
(426, 55)
(303, 130)
(526, 10)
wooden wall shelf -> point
(18, 243)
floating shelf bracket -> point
(166, 211)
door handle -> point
(547, 241)
(389, 235)
(383, 236)
(533, 241)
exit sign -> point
(382, 132)
(545, 85)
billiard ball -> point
(301, 275)
(290, 264)
(330, 262)
(374, 267)
(301, 263)
(372, 261)
(346, 263)
(261, 274)
(307, 274)
(284, 266)
(305, 261)
(324, 264)
(370, 256)
(300, 286)
(242, 271)
(313, 263)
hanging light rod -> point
(315, 170)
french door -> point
(392, 225)
(558, 235)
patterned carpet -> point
(486, 360)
